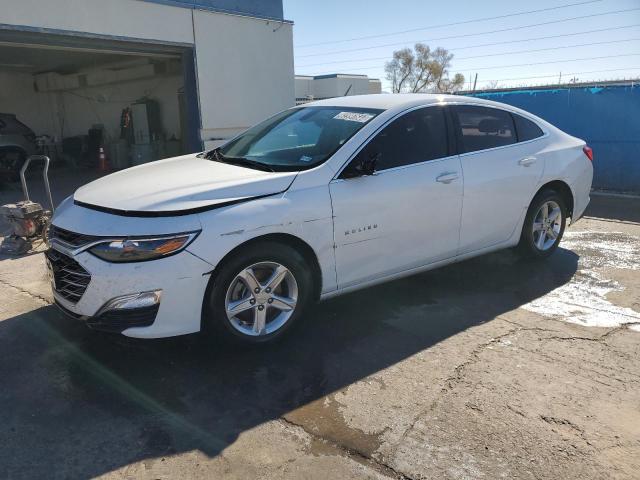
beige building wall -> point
(124, 18)
(245, 71)
(339, 85)
(244, 65)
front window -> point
(296, 139)
(415, 137)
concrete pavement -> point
(492, 368)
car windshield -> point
(295, 139)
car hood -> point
(179, 185)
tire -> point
(227, 288)
(531, 244)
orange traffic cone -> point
(103, 163)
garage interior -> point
(78, 96)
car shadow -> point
(76, 403)
(614, 208)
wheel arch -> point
(563, 189)
(290, 240)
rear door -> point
(408, 213)
(500, 175)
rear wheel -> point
(258, 294)
(543, 226)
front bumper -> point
(182, 278)
(116, 321)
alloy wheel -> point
(261, 298)
(547, 224)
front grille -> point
(71, 280)
(70, 238)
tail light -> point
(588, 151)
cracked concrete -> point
(323, 446)
(477, 370)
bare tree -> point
(447, 85)
(400, 69)
(422, 70)
(492, 85)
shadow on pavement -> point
(76, 403)
(618, 208)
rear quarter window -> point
(526, 129)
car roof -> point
(383, 101)
(387, 101)
(402, 101)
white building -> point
(335, 85)
(189, 70)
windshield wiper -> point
(217, 155)
(245, 162)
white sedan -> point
(317, 201)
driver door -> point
(407, 214)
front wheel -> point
(543, 226)
(258, 294)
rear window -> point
(481, 128)
(527, 130)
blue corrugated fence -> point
(607, 117)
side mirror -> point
(361, 166)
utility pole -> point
(475, 81)
(560, 79)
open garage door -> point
(72, 97)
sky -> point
(603, 44)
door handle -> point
(447, 177)
(527, 161)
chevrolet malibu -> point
(317, 201)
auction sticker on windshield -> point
(354, 117)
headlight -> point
(142, 249)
